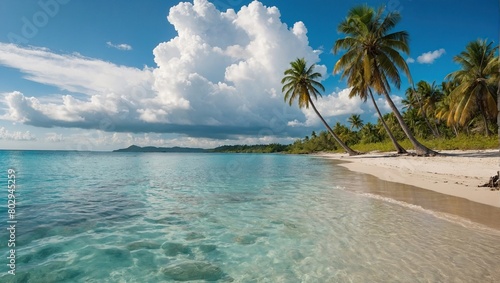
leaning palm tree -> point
(374, 52)
(478, 81)
(301, 83)
(361, 89)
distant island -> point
(266, 148)
(135, 148)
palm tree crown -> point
(371, 48)
(301, 83)
(478, 79)
(355, 121)
(373, 56)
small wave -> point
(464, 222)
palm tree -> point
(355, 121)
(445, 108)
(373, 51)
(300, 83)
(417, 123)
(362, 89)
(369, 134)
(424, 98)
(392, 123)
(345, 134)
(478, 80)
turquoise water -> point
(153, 217)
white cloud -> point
(73, 72)
(54, 137)
(332, 105)
(16, 136)
(218, 78)
(100, 140)
(384, 105)
(121, 46)
(429, 57)
(410, 60)
(158, 140)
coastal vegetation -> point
(460, 112)
(300, 83)
(442, 116)
(372, 58)
(323, 142)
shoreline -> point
(455, 172)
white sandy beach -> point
(456, 173)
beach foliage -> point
(301, 83)
(477, 90)
(459, 113)
(373, 50)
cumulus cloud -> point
(121, 46)
(410, 60)
(332, 105)
(429, 57)
(384, 106)
(16, 136)
(218, 78)
(54, 137)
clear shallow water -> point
(127, 217)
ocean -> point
(167, 217)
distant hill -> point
(135, 148)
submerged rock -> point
(207, 248)
(246, 239)
(194, 236)
(121, 257)
(173, 249)
(142, 245)
(193, 270)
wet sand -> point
(446, 184)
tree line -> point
(466, 102)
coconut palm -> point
(300, 82)
(417, 123)
(445, 108)
(392, 123)
(361, 88)
(373, 50)
(369, 134)
(345, 134)
(355, 121)
(478, 79)
(424, 98)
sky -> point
(101, 75)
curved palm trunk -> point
(398, 147)
(486, 127)
(419, 148)
(424, 115)
(485, 120)
(434, 130)
(350, 151)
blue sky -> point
(100, 75)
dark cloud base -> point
(195, 131)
